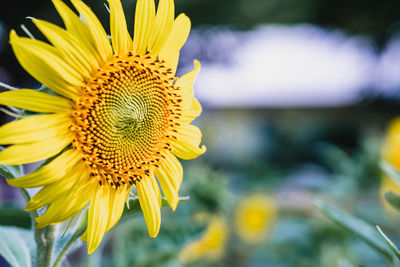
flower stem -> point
(44, 238)
(76, 235)
(45, 242)
(66, 248)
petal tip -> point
(13, 35)
(197, 64)
(154, 233)
(174, 205)
(29, 207)
(203, 149)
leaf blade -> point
(392, 246)
(13, 247)
(356, 226)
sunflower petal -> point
(117, 201)
(45, 65)
(121, 40)
(77, 28)
(34, 101)
(192, 112)
(72, 202)
(185, 84)
(177, 38)
(98, 217)
(150, 206)
(34, 128)
(37, 151)
(51, 192)
(68, 47)
(170, 175)
(49, 173)
(186, 81)
(162, 25)
(156, 189)
(186, 146)
(97, 32)
(144, 23)
(172, 168)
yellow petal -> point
(98, 217)
(177, 38)
(162, 25)
(34, 128)
(70, 204)
(77, 28)
(51, 192)
(170, 175)
(144, 25)
(35, 101)
(45, 65)
(33, 152)
(192, 112)
(156, 189)
(49, 173)
(68, 47)
(186, 146)
(150, 206)
(186, 81)
(121, 40)
(117, 201)
(97, 32)
(185, 84)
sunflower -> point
(255, 215)
(118, 117)
(210, 246)
(390, 154)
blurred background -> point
(297, 96)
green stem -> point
(45, 242)
(44, 238)
(78, 233)
(67, 246)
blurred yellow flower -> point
(254, 217)
(391, 154)
(210, 246)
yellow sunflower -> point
(255, 215)
(391, 154)
(210, 246)
(118, 119)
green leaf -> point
(390, 243)
(134, 205)
(15, 217)
(391, 171)
(393, 199)
(13, 247)
(356, 226)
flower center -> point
(121, 117)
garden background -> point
(297, 97)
